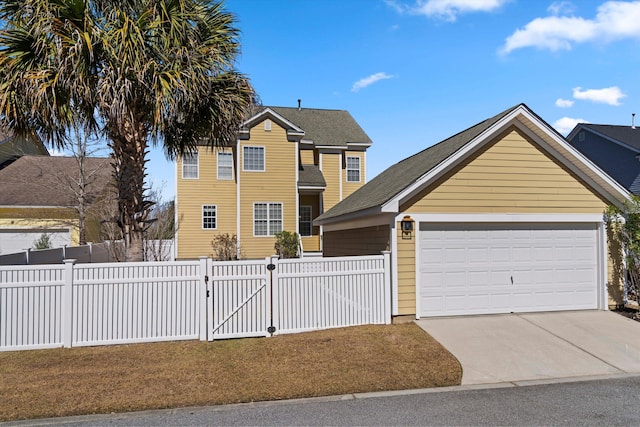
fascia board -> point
(393, 205)
(361, 222)
(348, 216)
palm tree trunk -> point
(129, 147)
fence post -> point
(67, 304)
(203, 273)
(387, 286)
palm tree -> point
(138, 72)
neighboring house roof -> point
(12, 147)
(386, 191)
(43, 181)
(613, 148)
(627, 135)
(311, 176)
(329, 128)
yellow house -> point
(503, 217)
(287, 167)
(39, 194)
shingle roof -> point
(310, 176)
(625, 134)
(39, 180)
(325, 127)
(396, 178)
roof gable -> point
(627, 136)
(401, 181)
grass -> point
(62, 382)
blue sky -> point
(413, 73)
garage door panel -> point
(499, 268)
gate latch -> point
(271, 267)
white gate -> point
(271, 296)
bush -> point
(44, 242)
(225, 247)
(624, 225)
(287, 245)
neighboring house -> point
(38, 195)
(12, 147)
(615, 149)
(287, 167)
(503, 217)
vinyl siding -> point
(406, 273)
(277, 183)
(360, 241)
(350, 187)
(71, 224)
(331, 166)
(193, 240)
(511, 176)
(307, 157)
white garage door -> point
(503, 268)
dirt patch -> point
(59, 382)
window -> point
(253, 159)
(190, 165)
(209, 217)
(225, 165)
(267, 125)
(267, 219)
(353, 169)
(304, 224)
(581, 137)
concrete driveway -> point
(539, 346)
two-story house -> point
(287, 167)
(614, 148)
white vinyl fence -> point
(68, 305)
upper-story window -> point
(190, 165)
(253, 159)
(225, 165)
(353, 169)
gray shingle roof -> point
(625, 134)
(310, 176)
(396, 178)
(325, 127)
(39, 180)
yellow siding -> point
(406, 273)
(511, 176)
(32, 222)
(331, 169)
(350, 187)
(306, 157)
(193, 240)
(277, 183)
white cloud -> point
(608, 95)
(447, 10)
(561, 8)
(367, 81)
(614, 20)
(566, 124)
(56, 153)
(564, 103)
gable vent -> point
(267, 125)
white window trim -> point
(264, 158)
(347, 169)
(226, 153)
(215, 208)
(268, 217)
(197, 166)
(267, 125)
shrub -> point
(225, 247)
(287, 245)
(44, 242)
